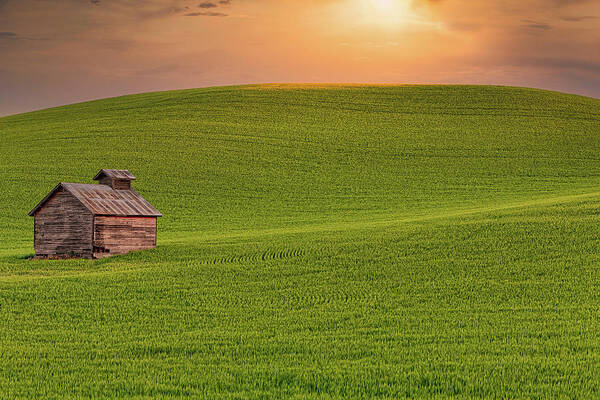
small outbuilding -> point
(94, 220)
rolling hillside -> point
(317, 242)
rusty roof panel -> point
(104, 200)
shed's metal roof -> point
(104, 200)
(115, 173)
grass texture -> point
(318, 242)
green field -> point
(318, 242)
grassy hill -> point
(317, 242)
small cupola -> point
(118, 179)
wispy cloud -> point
(16, 37)
(535, 24)
(206, 14)
(579, 18)
(207, 4)
(8, 35)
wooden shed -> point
(94, 220)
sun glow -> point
(387, 13)
(379, 16)
(389, 5)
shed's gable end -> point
(58, 188)
(63, 226)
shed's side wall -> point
(120, 235)
(117, 184)
(63, 227)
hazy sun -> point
(386, 13)
(388, 5)
(378, 16)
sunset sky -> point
(55, 52)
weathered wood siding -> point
(63, 227)
(120, 235)
(117, 184)
(121, 184)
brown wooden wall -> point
(117, 184)
(120, 235)
(63, 227)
